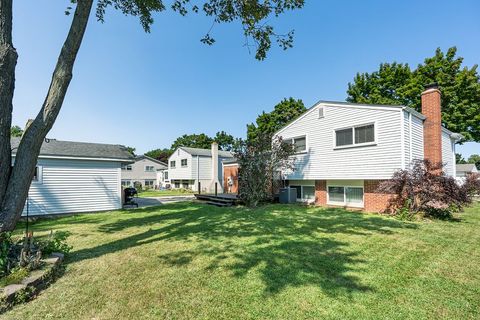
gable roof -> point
(350, 104)
(206, 152)
(467, 167)
(57, 148)
(137, 158)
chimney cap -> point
(433, 85)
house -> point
(344, 150)
(463, 170)
(190, 167)
(145, 171)
(75, 177)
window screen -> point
(299, 191)
(354, 195)
(344, 137)
(308, 192)
(300, 144)
(365, 134)
(336, 194)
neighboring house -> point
(463, 170)
(344, 150)
(75, 177)
(187, 167)
(145, 171)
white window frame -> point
(292, 141)
(153, 169)
(123, 184)
(344, 203)
(323, 112)
(127, 167)
(38, 177)
(150, 184)
(354, 145)
(174, 164)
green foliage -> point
(193, 141)
(225, 141)
(254, 17)
(131, 150)
(269, 123)
(16, 276)
(397, 83)
(160, 154)
(404, 213)
(56, 242)
(459, 159)
(260, 163)
(5, 245)
(16, 131)
(474, 158)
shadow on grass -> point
(288, 245)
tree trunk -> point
(8, 61)
(34, 135)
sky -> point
(146, 89)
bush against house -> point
(425, 188)
(260, 163)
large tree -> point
(474, 158)
(397, 83)
(253, 16)
(270, 122)
(160, 154)
(16, 131)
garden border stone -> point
(30, 286)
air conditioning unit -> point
(288, 195)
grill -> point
(130, 195)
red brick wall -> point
(432, 127)
(374, 201)
(231, 170)
(321, 192)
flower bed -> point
(30, 286)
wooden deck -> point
(219, 200)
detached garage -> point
(75, 177)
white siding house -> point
(76, 177)
(344, 147)
(189, 166)
(144, 171)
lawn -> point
(192, 261)
(162, 193)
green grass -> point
(162, 193)
(191, 261)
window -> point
(177, 184)
(300, 144)
(149, 168)
(165, 175)
(305, 192)
(185, 185)
(172, 164)
(127, 167)
(364, 134)
(149, 183)
(126, 183)
(336, 194)
(37, 174)
(183, 162)
(355, 135)
(346, 195)
(321, 112)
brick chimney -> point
(432, 127)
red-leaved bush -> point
(425, 188)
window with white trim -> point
(37, 174)
(345, 195)
(183, 162)
(149, 183)
(356, 135)
(299, 144)
(321, 112)
(172, 164)
(149, 168)
(126, 183)
(127, 167)
(165, 175)
(305, 192)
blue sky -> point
(144, 90)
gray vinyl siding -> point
(139, 174)
(323, 161)
(205, 168)
(448, 154)
(70, 186)
(417, 138)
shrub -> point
(424, 188)
(5, 247)
(16, 275)
(56, 242)
(260, 162)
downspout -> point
(402, 138)
(410, 137)
(198, 172)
